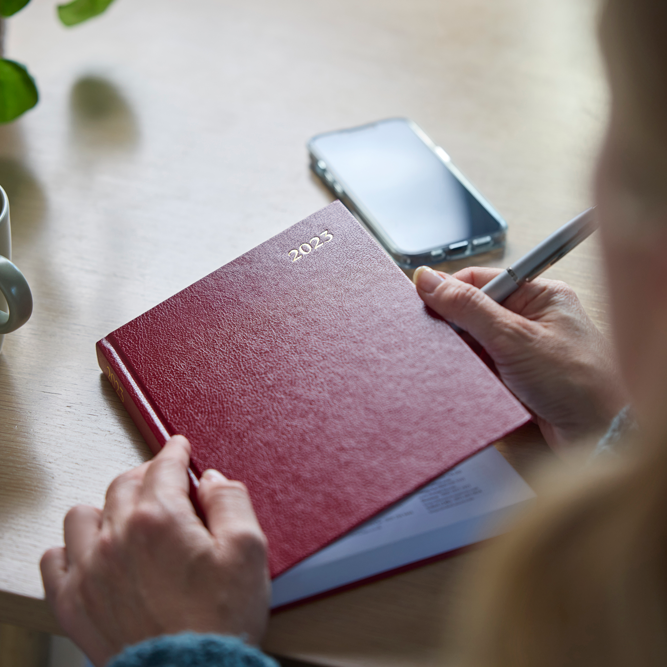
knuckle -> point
(248, 540)
(228, 490)
(238, 492)
(164, 465)
(237, 487)
(564, 296)
(48, 557)
(106, 563)
(107, 547)
(148, 518)
(128, 477)
(558, 289)
(74, 514)
(463, 298)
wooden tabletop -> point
(170, 138)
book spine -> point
(138, 407)
(131, 396)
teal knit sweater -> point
(188, 649)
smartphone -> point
(408, 193)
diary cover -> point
(309, 369)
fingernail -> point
(212, 475)
(426, 279)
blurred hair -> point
(632, 35)
(634, 38)
(582, 579)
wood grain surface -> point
(170, 138)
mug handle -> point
(19, 298)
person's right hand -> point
(545, 348)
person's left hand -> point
(146, 565)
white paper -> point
(465, 505)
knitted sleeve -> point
(188, 649)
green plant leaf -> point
(79, 11)
(18, 92)
(10, 7)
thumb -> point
(226, 505)
(166, 476)
(467, 307)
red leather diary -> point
(309, 369)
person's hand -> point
(543, 344)
(146, 565)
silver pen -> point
(542, 256)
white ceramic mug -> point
(15, 297)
